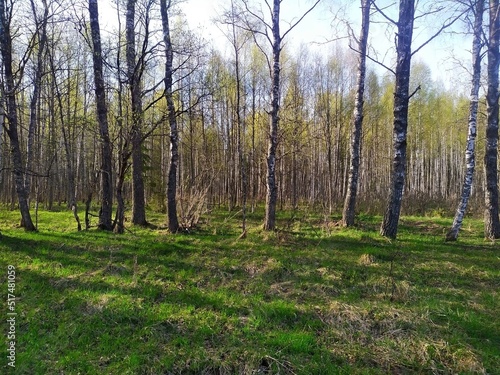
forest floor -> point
(312, 298)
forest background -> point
(220, 137)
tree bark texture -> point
(470, 151)
(102, 117)
(389, 227)
(119, 224)
(348, 213)
(12, 118)
(173, 222)
(134, 82)
(491, 219)
(272, 189)
(123, 154)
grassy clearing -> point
(311, 299)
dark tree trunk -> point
(272, 189)
(124, 155)
(352, 185)
(134, 81)
(252, 158)
(491, 219)
(173, 222)
(11, 114)
(88, 203)
(105, 212)
(470, 151)
(119, 226)
(138, 207)
(389, 226)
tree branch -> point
(443, 27)
(300, 19)
(373, 60)
(414, 92)
(260, 18)
(381, 11)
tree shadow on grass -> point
(103, 325)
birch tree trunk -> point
(470, 151)
(102, 117)
(389, 226)
(173, 221)
(491, 219)
(12, 118)
(274, 65)
(352, 185)
(272, 189)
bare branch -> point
(300, 19)
(443, 27)
(351, 34)
(261, 49)
(381, 11)
(331, 40)
(269, 7)
(414, 92)
(246, 24)
(425, 14)
(374, 60)
(257, 16)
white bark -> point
(470, 157)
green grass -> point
(310, 299)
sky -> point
(315, 27)
(319, 27)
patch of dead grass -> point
(392, 340)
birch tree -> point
(256, 22)
(470, 150)
(357, 124)
(402, 97)
(272, 189)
